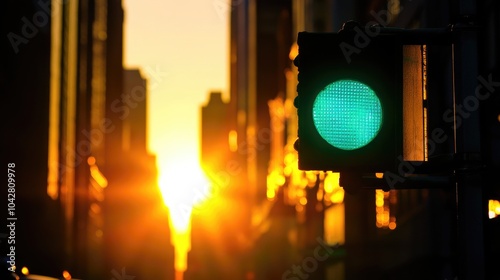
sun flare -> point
(183, 186)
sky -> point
(181, 47)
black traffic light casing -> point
(356, 54)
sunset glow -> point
(183, 186)
(192, 43)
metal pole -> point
(470, 210)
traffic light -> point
(349, 100)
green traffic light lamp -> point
(347, 114)
(348, 105)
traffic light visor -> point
(347, 114)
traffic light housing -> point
(349, 100)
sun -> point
(183, 185)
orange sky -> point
(181, 47)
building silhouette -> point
(215, 134)
(79, 161)
(24, 81)
(137, 235)
(220, 228)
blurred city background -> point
(126, 168)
